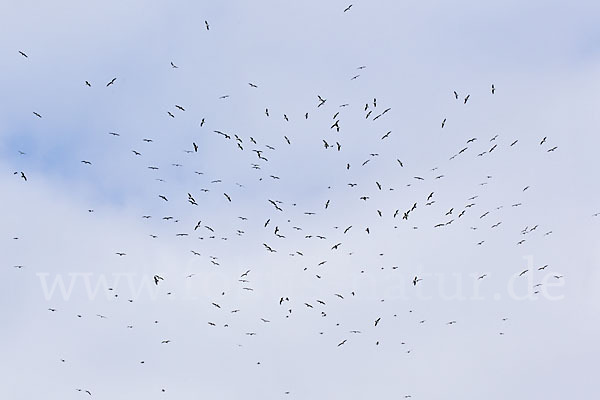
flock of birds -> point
(285, 230)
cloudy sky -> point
(499, 228)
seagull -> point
(322, 101)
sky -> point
(500, 229)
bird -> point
(157, 278)
(443, 122)
(173, 65)
(493, 89)
(37, 114)
(467, 98)
(207, 26)
(23, 54)
(348, 8)
(111, 82)
(88, 84)
(415, 280)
